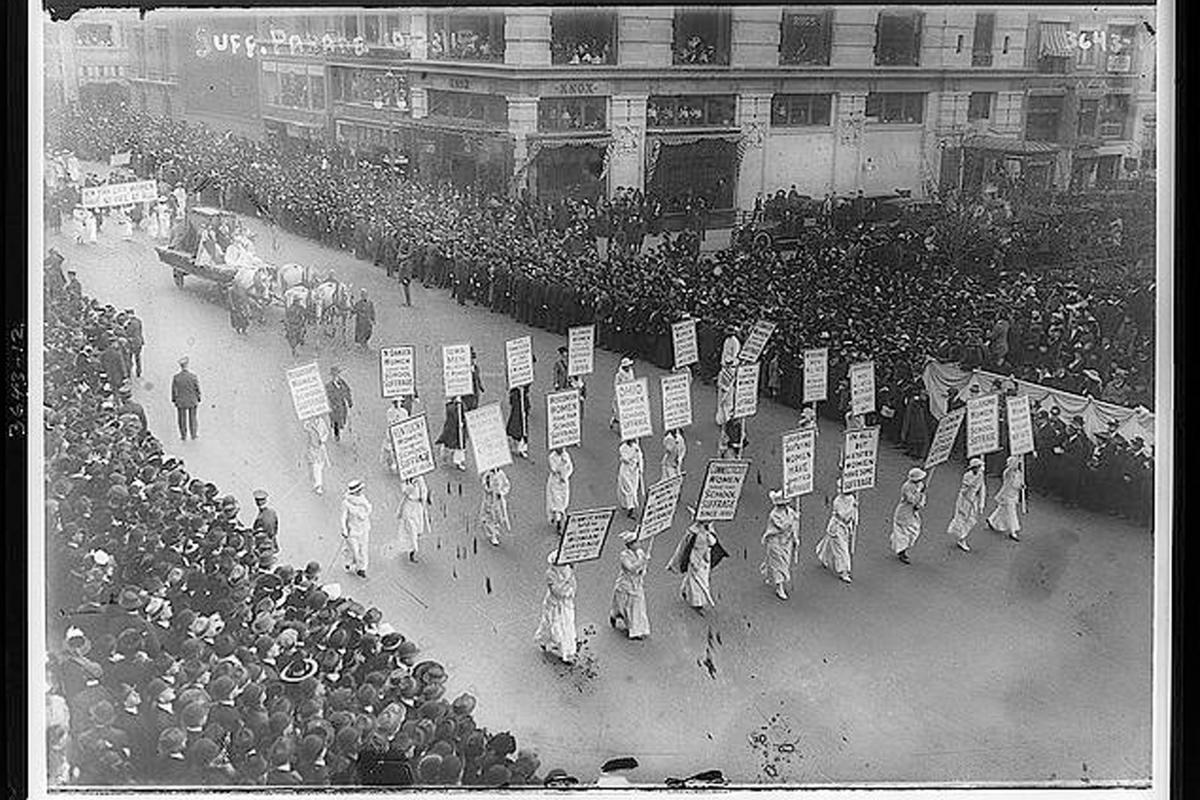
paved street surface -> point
(1016, 662)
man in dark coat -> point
(364, 319)
(133, 333)
(185, 395)
(112, 362)
(405, 261)
(340, 401)
(266, 524)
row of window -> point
(106, 71)
(293, 86)
(702, 36)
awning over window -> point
(1054, 40)
(1002, 144)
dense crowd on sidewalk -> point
(181, 652)
(897, 294)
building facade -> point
(731, 103)
(87, 55)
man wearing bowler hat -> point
(185, 395)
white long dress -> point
(968, 505)
(779, 542)
(92, 227)
(629, 475)
(415, 494)
(556, 629)
(558, 485)
(729, 359)
(695, 588)
(1005, 518)
(624, 375)
(493, 509)
(674, 451)
(629, 594)
(906, 520)
(835, 548)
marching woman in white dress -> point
(906, 519)
(413, 515)
(556, 629)
(624, 375)
(674, 451)
(125, 224)
(493, 508)
(782, 542)
(837, 545)
(730, 349)
(395, 413)
(80, 214)
(629, 595)
(150, 220)
(92, 224)
(164, 219)
(693, 557)
(629, 476)
(1005, 518)
(558, 487)
(968, 505)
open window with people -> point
(582, 37)
(702, 37)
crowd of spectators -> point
(582, 49)
(898, 294)
(463, 45)
(696, 50)
(181, 653)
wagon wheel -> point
(179, 279)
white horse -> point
(331, 306)
(291, 275)
(254, 283)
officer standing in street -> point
(266, 524)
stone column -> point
(754, 118)
(522, 121)
(627, 165)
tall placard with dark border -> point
(518, 357)
(861, 454)
(581, 350)
(659, 512)
(563, 426)
(799, 450)
(721, 490)
(944, 437)
(633, 409)
(308, 391)
(676, 400)
(983, 425)
(489, 442)
(816, 375)
(410, 444)
(584, 535)
(756, 341)
(1020, 425)
(745, 390)
(398, 371)
(686, 346)
(456, 370)
(862, 388)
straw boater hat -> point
(916, 474)
(355, 486)
(777, 497)
(975, 462)
(629, 536)
(626, 361)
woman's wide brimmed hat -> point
(916, 474)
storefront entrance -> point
(573, 171)
(702, 169)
